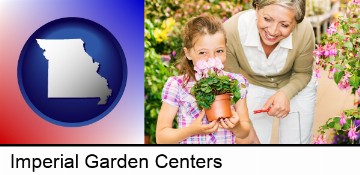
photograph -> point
(290, 71)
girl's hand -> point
(230, 123)
(199, 128)
(280, 105)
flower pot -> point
(146, 139)
(220, 108)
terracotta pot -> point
(146, 139)
(220, 108)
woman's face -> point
(274, 23)
(207, 46)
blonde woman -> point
(272, 46)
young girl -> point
(204, 38)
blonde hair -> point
(297, 5)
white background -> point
(235, 160)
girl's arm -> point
(166, 134)
(239, 123)
(242, 130)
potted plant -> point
(214, 91)
(339, 53)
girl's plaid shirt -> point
(174, 94)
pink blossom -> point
(319, 51)
(358, 91)
(344, 82)
(165, 57)
(317, 60)
(356, 2)
(352, 133)
(206, 7)
(331, 73)
(201, 69)
(198, 76)
(218, 64)
(330, 50)
(342, 119)
(211, 63)
(331, 30)
(317, 73)
(320, 139)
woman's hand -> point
(197, 127)
(279, 105)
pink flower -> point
(331, 73)
(330, 50)
(358, 91)
(317, 73)
(218, 64)
(319, 51)
(342, 119)
(320, 139)
(356, 2)
(317, 60)
(165, 57)
(211, 63)
(331, 30)
(206, 7)
(201, 69)
(352, 133)
(344, 82)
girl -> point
(204, 38)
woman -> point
(272, 46)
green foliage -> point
(340, 54)
(156, 74)
(351, 118)
(206, 89)
(340, 50)
(180, 11)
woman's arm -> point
(166, 134)
(301, 72)
(302, 67)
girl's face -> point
(274, 23)
(207, 46)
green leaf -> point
(331, 124)
(357, 26)
(336, 119)
(339, 67)
(349, 45)
(338, 76)
(325, 127)
(354, 81)
(346, 126)
(337, 126)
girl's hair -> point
(297, 5)
(196, 27)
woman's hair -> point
(194, 28)
(297, 5)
